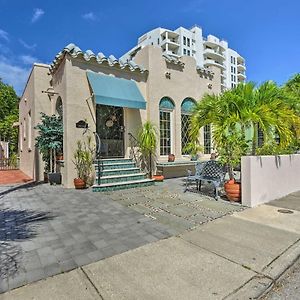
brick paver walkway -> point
(9, 177)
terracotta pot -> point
(59, 157)
(233, 190)
(171, 157)
(158, 178)
(79, 183)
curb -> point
(283, 262)
(259, 285)
(253, 289)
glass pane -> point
(185, 122)
(165, 133)
(207, 139)
(110, 128)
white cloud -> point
(37, 14)
(4, 35)
(28, 59)
(90, 16)
(13, 75)
(27, 46)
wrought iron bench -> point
(210, 171)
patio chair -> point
(213, 172)
(196, 177)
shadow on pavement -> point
(16, 225)
(27, 186)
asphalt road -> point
(288, 287)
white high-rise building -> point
(207, 51)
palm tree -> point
(291, 90)
(247, 108)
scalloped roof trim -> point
(171, 59)
(74, 51)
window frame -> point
(164, 148)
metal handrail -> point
(134, 144)
(98, 157)
(98, 143)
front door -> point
(110, 128)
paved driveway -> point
(46, 230)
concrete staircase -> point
(119, 173)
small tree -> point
(193, 147)
(50, 139)
(147, 139)
(9, 114)
(231, 146)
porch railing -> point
(8, 164)
(134, 152)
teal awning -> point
(109, 90)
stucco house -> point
(114, 98)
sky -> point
(265, 32)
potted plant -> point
(231, 146)
(83, 161)
(49, 142)
(171, 157)
(193, 148)
(158, 176)
(147, 140)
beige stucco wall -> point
(265, 178)
(184, 82)
(34, 101)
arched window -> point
(166, 106)
(187, 106)
(59, 107)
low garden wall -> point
(175, 169)
(265, 178)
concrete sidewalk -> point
(234, 257)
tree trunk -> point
(254, 139)
(150, 165)
(54, 160)
(230, 172)
(51, 162)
